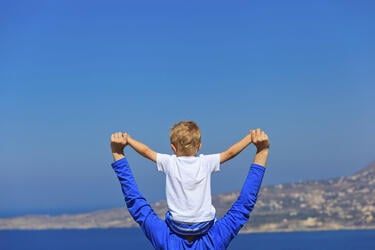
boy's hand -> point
(118, 142)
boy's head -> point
(185, 137)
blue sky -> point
(73, 72)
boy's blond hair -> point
(186, 138)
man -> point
(222, 232)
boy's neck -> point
(182, 155)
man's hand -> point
(262, 143)
(118, 142)
(260, 139)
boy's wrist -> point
(249, 139)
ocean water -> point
(129, 239)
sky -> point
(73, 72)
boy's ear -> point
(200, 146)
(174, 148)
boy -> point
(188, 177)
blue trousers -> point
(158, 232)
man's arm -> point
(155, 229)
(235, 149)
(226, 228)
(142, 149)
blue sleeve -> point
(153, 227)
(226, 228)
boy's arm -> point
(235, 149)
(142, 149)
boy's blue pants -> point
(159, 234)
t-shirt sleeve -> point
(161, 162)
(213, 161)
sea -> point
(129, 239)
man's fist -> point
(260, 139)
(118, 142)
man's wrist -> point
(117, 156)
(261, 156)
(266, 149)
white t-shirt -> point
(188, 185)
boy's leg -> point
(181, 228)
(154, 228)
(227, 227)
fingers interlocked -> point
(260, 139)
(119, 137)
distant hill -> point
(340, 203)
